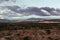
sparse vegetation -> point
(29, 31)
(28, 25)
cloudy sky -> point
(30, 3)
(36, 3)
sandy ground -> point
(31, 34)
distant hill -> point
(58, 20)
(29, 20)
(4, 20)
(36, 19)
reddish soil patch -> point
(31, 34)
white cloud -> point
(46, 12)
(1, 17)
(6, 13)
(51, 17)
(55, 12)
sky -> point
(31, 3)
(34, 3)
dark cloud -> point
(35, 10)
(2, 1)
(14, 8)
(47, 11)
(28, 11)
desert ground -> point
(29, 31)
